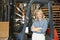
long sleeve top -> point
(43, 23)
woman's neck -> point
(40, 19)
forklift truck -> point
(28, 19)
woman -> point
(39, 26)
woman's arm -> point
(35, 29)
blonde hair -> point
(40, 10)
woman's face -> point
(39, 15)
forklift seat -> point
(55, 34)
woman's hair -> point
(40, 10)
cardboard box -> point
(3, 38)
(4, 29)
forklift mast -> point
(50, 13)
